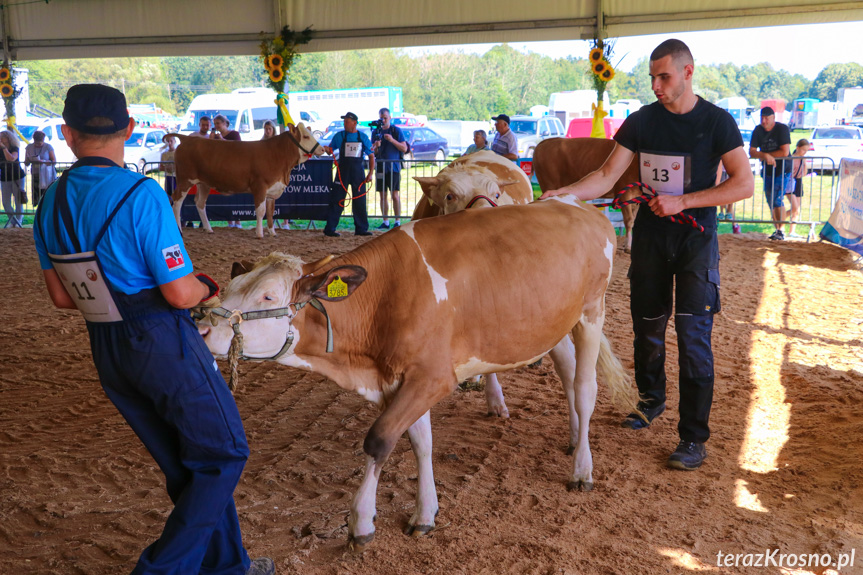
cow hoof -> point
(497, 411)
(580, 485)
(359, 544)
(418, 530)
(570, 450)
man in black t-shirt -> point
(680, 140)
(771, 140)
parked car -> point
(425, 144)
(835, 142)
(144, 146)
(531, 130)
(754, 165)
(403, 122)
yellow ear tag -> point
(337, 288)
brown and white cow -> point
(559, 162)
(476, 180)
(262, 168)
(473, 176)
(409, 323)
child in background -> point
(799, 170)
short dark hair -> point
(382, 110)
(677, 49)
(38, 135)
(101, 139)
(223, 118)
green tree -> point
(834, 76)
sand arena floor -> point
(79, 494)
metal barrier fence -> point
(409, 192)
(32, 199)
(820, 192)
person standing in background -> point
(12, 179)
(41, 159)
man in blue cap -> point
(108, 246)
(352, 145)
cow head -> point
(276, 282)
(307, 143)
(455, 186)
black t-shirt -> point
(10, 171)
(771, 141)
(691, 144)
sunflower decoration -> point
(278, 54)
(600, 66)
(9, 93)
(276, 75)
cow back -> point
(559, 162)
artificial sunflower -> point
(276, 74)
(6, 91)
(596, 55)
(599, 67)
(608, 74)
(276, 61)
(4, 74)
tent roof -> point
(64, 29)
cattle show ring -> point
(377, 448)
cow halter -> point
(237, 317)
(300, 146)
(478, 198)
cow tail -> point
(624, 395)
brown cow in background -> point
(559, 162)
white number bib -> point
(664, 173)
(353, 149)
(83, 280)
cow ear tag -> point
(337, 288)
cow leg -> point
(494, 397)
(271, 207)
(201, 203)
(586, 337)
(406, 408)
(178, 198)
(628, 213)
(259, 215)
(427, 505)
(563, 357)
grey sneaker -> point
(262, 566)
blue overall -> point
(156, 369)
(352, 176)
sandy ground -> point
(79, 494)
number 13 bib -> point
(668, 174)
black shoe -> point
(332, 234)
(262, 566)
(777, 235)
(689, 455)
(634, 421)
(384, 226)
(365, 233)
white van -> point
(246, 108)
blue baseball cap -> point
(87, 101)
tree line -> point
(449, 85)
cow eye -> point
(268, 298)
(497, 196)
(450, 197)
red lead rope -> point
(343, 203)
(647, 195)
